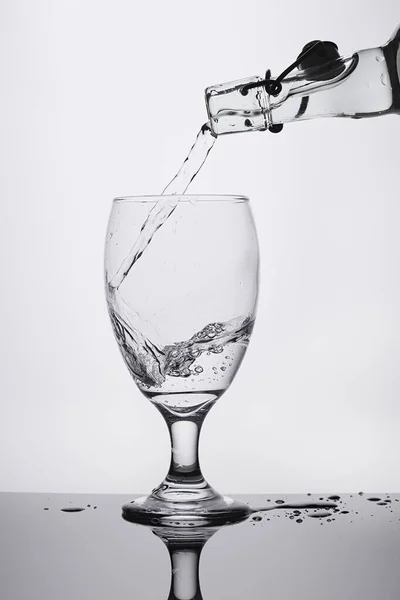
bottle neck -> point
(362, 87)
(365, 84)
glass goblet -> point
(181, 284)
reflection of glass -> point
(185, 546)
(184, 551)
(183, 317)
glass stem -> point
(185, 467)
(184, 481)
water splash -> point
(151, 363)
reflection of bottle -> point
(365, 84)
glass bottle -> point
(365, 84)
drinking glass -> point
(181, 283)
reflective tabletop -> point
(348, 549)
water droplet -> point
(45, 509)
(257, 519)
(361, 493)
(94, 506)
(223, 368)
(279, 502)
(374, 499)
(384, 79)
(333, 498)
(381, 503)
(72, 509)
(199, 369)
(321, 514)
(299, 520)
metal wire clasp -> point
(273, 87)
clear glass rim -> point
(192, 198)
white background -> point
(100, 99)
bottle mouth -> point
(229, 111)
(192, 198)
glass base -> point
(214, 511)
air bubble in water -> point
(216, 349)
(199, 369)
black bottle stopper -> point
(323, 53)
